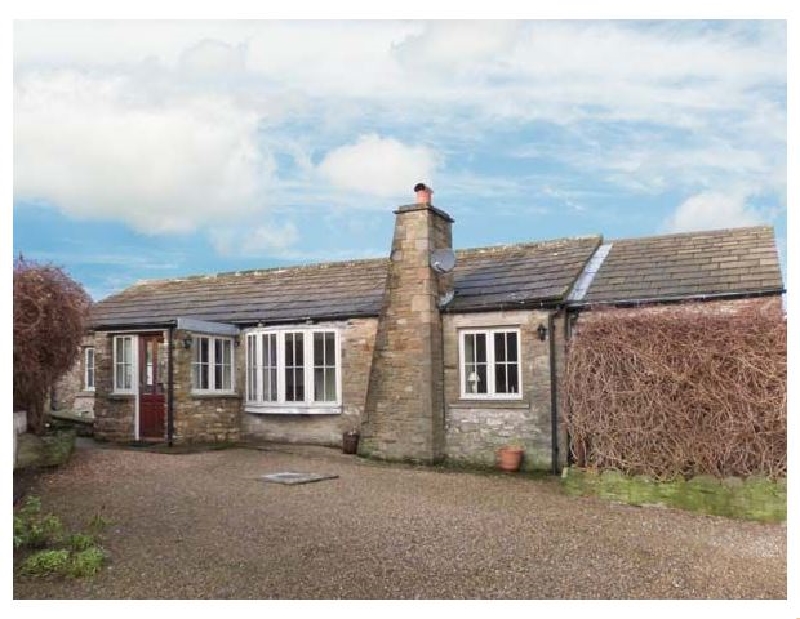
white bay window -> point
(293, 370)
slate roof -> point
(733, 261)
(485, 278)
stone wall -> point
(475, 429)
(404, 418)
(113, 414)
(69, 393)
(204, 418)
(357, 339)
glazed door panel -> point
(152, 403)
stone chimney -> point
(404, 412)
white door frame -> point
(135, 345)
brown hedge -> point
(49, 313)
(678, 392)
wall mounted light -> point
(541, 331)
(187, 342)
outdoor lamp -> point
(541, 331)
(187, 342)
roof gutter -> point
(715, 296)
(546, 304)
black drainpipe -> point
(553, 392)
(170, 413)
(568, 316)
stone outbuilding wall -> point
(357, 340)
(476, 429)
(70, 393)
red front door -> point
(151, 386)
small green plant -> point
(33, 530)
(86, 562)
(80, 541)
(46, 562)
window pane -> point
(330, 385)
(469, 348)
(128, 375)
(298, 349)
(119, 376)
(273, 385)
(319, 349)
(298, 384)
(289, 385)
(288, 349)
(252, 370)
(226, 377)
(511, 346)
(483, 385)
(500, 383)
(217, 376)
(227, 346)
(119, 350)
(319, 384)
(499, 346)
(480, 347)
(513, 378)
(128, 357)
(273, 350)
(330, 353)
(203, 341)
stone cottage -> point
(428, 362)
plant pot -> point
(350, 443)
(510, 458)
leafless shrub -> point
(678, 392)
(49, 313)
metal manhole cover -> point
(288, 478)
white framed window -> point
(293, 370)
(489, 363)
(123, 363)
(88, 369)
(212, 364)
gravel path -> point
(202, 526)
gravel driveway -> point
(202, 526)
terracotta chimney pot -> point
(423, 193)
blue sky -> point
(145, 150)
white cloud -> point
(379, 166)
(265, 240)
(711, 210)
(172, 124)
(96, 147)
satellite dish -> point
(445, 299)
(443, 260)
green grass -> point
(755, 498)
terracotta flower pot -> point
(349, 442)
(510, 458)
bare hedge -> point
(49, 313)
(678, 392)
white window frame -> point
(490, 364)
(281, 406)
(134, 344)
(212, 344)
(86, 386)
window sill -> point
(293, 410)
(116, 395)
(214, 394)
(86, 393)
(467, 403)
